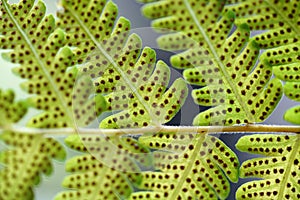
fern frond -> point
(39, 48)
(240, 93)
(28, 157)
(119, 69)
(286, 61)
(279, 169)
(192, 166)
(10, 111)
(109, 171)
(281, 19)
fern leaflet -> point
(113, 59)
(281, 19)
(239, 94)
(109, 171)
(192, 166)
(285, 61)
(29, 157)
(39, 47)
(279, 169)
(10, 111)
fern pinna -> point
(119, 68)
(109, 169)
(10, 111)
(28, 157)
(285, 61)
(240, 92)
(39, 48)
(281, 19)
(191, 166)
(279, 168)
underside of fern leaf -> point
(281, 19)
(109, 171)
(24, 162)
(39, 49)
(188, 19)
(10, 111)
(285, 61)
(239, 91)
(191, 166)
(119, 68)
(279, 169)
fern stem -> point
(165, 129)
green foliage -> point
(113, 59)
(10, 111)
(286, 61)
(39, 49)
(191, 166)
(189, 20)
(281, 19)
(28, 157)
(87, 62)
(108, 170)
(150, 105)
(225, 66)
(279, 169)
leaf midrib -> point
(116, 67)
(52, 84)
(221, 65)
(288, 170)
(283, 17)
(188, 169)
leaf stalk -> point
(251, 128)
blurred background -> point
(140, 25)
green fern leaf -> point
(279, 169)
(109, 171)
(39, 47)
(240, 93)
(10, 111)
(150, 105)
(189, 20)
(29, 157)
(281, 19)
(285, 61)
(113, 59)
(191, 166)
